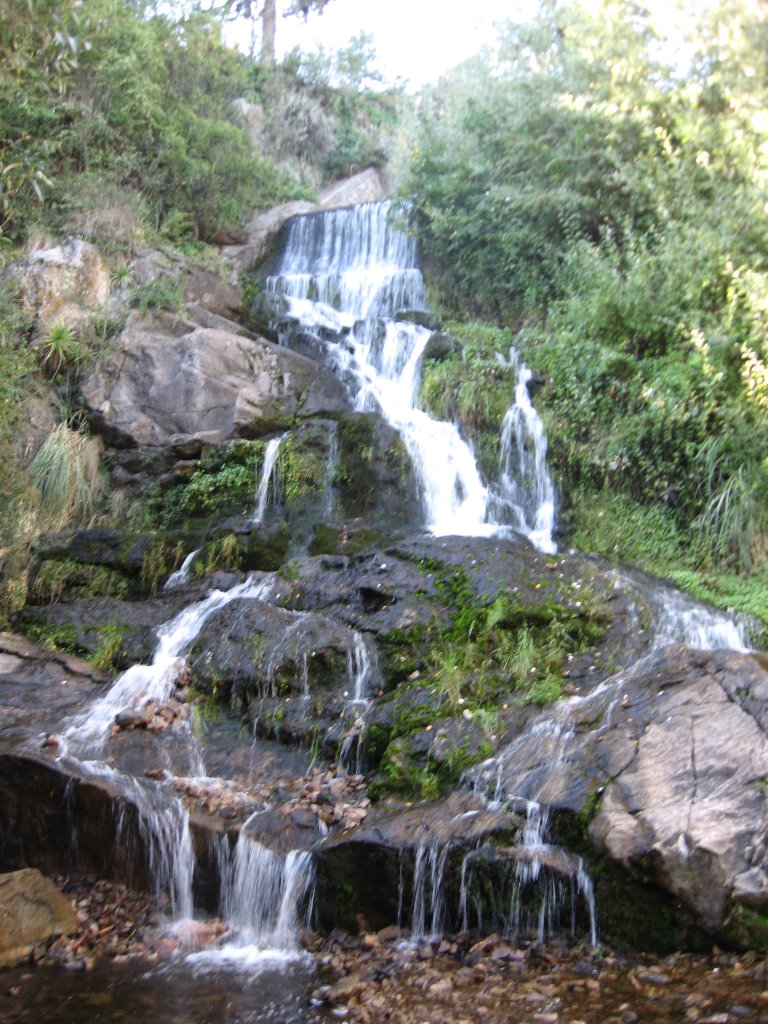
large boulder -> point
(667, 761)
(687, 800)
(32, 910)
(366, 187)
(156, 388)
(262, 232)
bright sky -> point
(417, 40)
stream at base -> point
(373, 982)
(175, 993)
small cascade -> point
(345, 274)
(265, 477)
(556, 889)
(266, 897)
(524, 494)
(329, 497)
(547, 881)
(140, 685)
(171, 857)
(428, 903)
(680, 619)
(163, 823)
(362, 670)
(292, 631)
(183, 574)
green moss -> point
(746, 928)
(471, 386)
(303, 465)
(57, 578)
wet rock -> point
(253, 649)
(32, 910)
(687, 803)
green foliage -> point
(107, 654)
(18, 388)
(158, 294)
(140, 104)
(611, 208)
(54, 578)
(302, 468)
(65, 470)
(160, 559)
(60, 349)
(470, 386)
(224, 484)
(221, 553)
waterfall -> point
(329, 498)
(183, 574)
(140, 685)
(524, 494)
(427, 890)
(546, 878)
(346, 265)
(266, 898)
(347, 273)
(163, 824)
(267, 471)
(362, 669)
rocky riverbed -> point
(123, 958)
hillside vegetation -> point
(139, 131)
(597, 194)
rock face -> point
(156, 388)
(686, 794)
(64, 284)
(32, 910)
(673, 754)
(366, 187)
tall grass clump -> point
(65, 471)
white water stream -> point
(265, 477)
(351, 270)
(141, 685)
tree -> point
(266, 10)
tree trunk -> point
(268, 31)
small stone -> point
(441, 989)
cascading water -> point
(164, 826)
(428, 897)
(140, 685)
(183, 574)
(267, 473)
(266, 897)
(350, 271)
(281, 883)
(362, 669)
(524, 494)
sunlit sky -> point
(415, 40)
